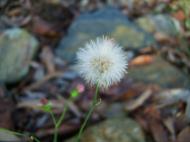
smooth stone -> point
(159, 72)
(114, 130)
(119, 2)
(115, 110)
(108, 21)
(17, 47)
(160, 23)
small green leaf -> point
(74, 93)
(47, 107)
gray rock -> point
(160, 23)
(114, 130)
(108, 21)
(115, 110)
(17, 48)
(118, 2)
(159, 72)
(3, 3)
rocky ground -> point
(38, 43)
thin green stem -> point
(55, 134)
(95, 98)
(55, 129)
(62, 116)
(35, 139)
(59, 122)
(53, 118)
(12, 132)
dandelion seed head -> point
(102, 61)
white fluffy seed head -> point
(102, 61)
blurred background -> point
(38, 43)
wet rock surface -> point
(159, 72)
(160, 23)
(107, 21)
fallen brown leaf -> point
(179, 15)
(134, 104)
(6, 108)
(158, 131)
(169, 123)
(142, 60)
(184, 135)
(47, 58)
(41, 27)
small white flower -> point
(102, 61)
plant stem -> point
(58, 123)
(35, 139)
(53, 118)
(62, 116)
(95, 98)
(55, 128)
(55, 134)
(12, 132)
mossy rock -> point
(17, 47)
(114, 130)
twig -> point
(37, 84)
